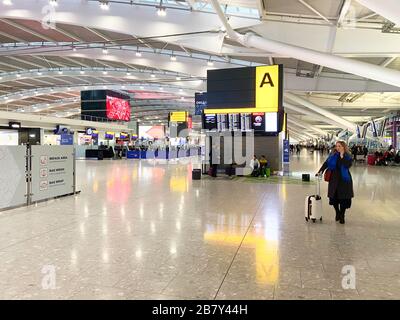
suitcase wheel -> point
(320, 219)
(306, 218)
(313, 220)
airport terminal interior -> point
(199, 150)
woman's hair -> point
(344, 145)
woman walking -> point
(340, 189)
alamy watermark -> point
(49, 17)
(349, 277)
(49, 278)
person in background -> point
(255, 166)
(263, 165)
(365, 151)
(297, 149)
(340, 188)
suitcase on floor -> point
(313, 204)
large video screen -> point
(118, 109)
(106, 104)
(151, 132)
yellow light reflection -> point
(266, 252)
(178, 184)
(95, 186)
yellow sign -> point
(179, 116)
(267, 88)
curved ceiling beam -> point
(138, 109)
(185, 65)
(306, 125)
(25, 94)
(359, 68)
(344, 123)
(312, 115)
(132, 20)
(126, 74)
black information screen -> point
(210, 122)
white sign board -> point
(12, 176)
(52, 171)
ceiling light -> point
(105, 72)
(69, 88)
(173, 58)
(128, 73)
(210, 63)
(53, 3)
(141, 87)
(60, 72)
(82, 72)
(161, 12)
(39, 73)
(178, 78)
(105, 51)
(180, 90)
(104, 5)
(153, 76)
(7, 2)
(74, 49)
(161, 88)
(85, 88)
(18, 75)
(1, 78)
(138, 54)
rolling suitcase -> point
(313, 204)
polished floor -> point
(145, 230)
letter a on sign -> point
(267, 88)
(264, 81)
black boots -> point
(337, 218)
(342, 213)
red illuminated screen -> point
(118, 109)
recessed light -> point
(7, 2)
(153, 75)
(138, 54)
(60, 72)
(161, 12)
(82, 72)
(105, 72)
(128, 73)
(105, 51)
(173, 58)
(104, 5)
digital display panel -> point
(105, 104)
(271, 122)
(118, 109)
(234, 122)
(151, 132)
(109, 135)
(210, 122)
(258, 121)
(245, 122)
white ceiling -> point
(51, 73)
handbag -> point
(327, 175)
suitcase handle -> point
(318, 187)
